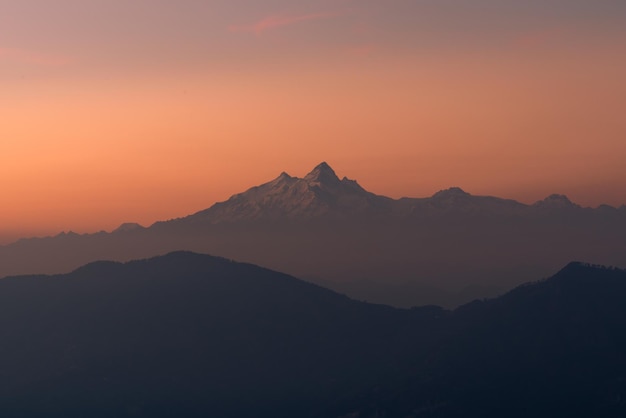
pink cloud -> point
(32, 57)
(277, 21)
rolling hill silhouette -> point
(193, 335)
(446, 249)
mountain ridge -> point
(321, 193)
(445, 249)
(198, 335)
(318, 191)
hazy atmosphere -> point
(322, 209)
(116, 111)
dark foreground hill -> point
(187, 335)
(555, 348)
(193, 335)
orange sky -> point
(162, 118)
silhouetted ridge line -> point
(193, 335)
(446, 249)
(453, 191)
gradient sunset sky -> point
(114, 111)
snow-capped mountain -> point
(318, 194)
(322, 194)
(331, 230)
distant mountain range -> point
(195, 336)
(321, 194)
(446, 249)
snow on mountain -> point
(319, 193)
(322, 194)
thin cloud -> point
(278, 21)
(32, 57)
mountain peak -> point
(128, 226)
(585, 273)
(452, 191)
(323, 166)
(556, 201)
(323, 174)
(558, 197)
